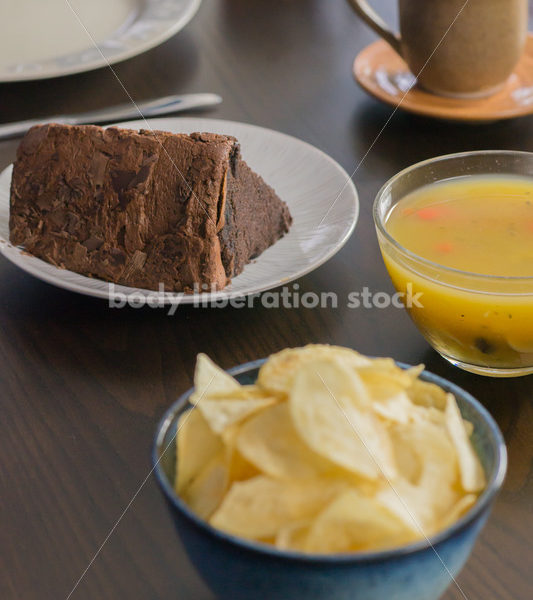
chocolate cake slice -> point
(142, 208)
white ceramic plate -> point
(81, 35)
(321, 197)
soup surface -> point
(477, 224)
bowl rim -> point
(380, 223)
(483, 502)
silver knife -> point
(122, 112)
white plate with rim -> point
(320, 195)
(82, 35)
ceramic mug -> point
(456, 47)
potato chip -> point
(325, 404)
(260, 507)
(427, 394)
(383, 384)
(270, 441)
(239, 469)
(206, 492)
(386, 384)
(277, 374)
(397, 408)
(354, 522)
(222, 413)
(424, 499)
(406, 454)
(229, 435)
(472, 474)
(460, 508)
(210, 380)
(469, 428)
(221, 399)
(439, 476)
(196, 446)
(246, 392)
(408, 502)
(415, 372)
(385, 373)
(430, 414)
(293, 536)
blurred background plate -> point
(320, 194)
(67, 44)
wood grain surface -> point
(82, 386)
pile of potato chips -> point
(328, 452)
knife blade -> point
(121, 112)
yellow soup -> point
(481, 226)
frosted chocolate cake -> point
(142, 208)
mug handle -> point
(371, 18)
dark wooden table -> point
(83, 385)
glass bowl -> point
(480, 323)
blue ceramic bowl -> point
(238, 569)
